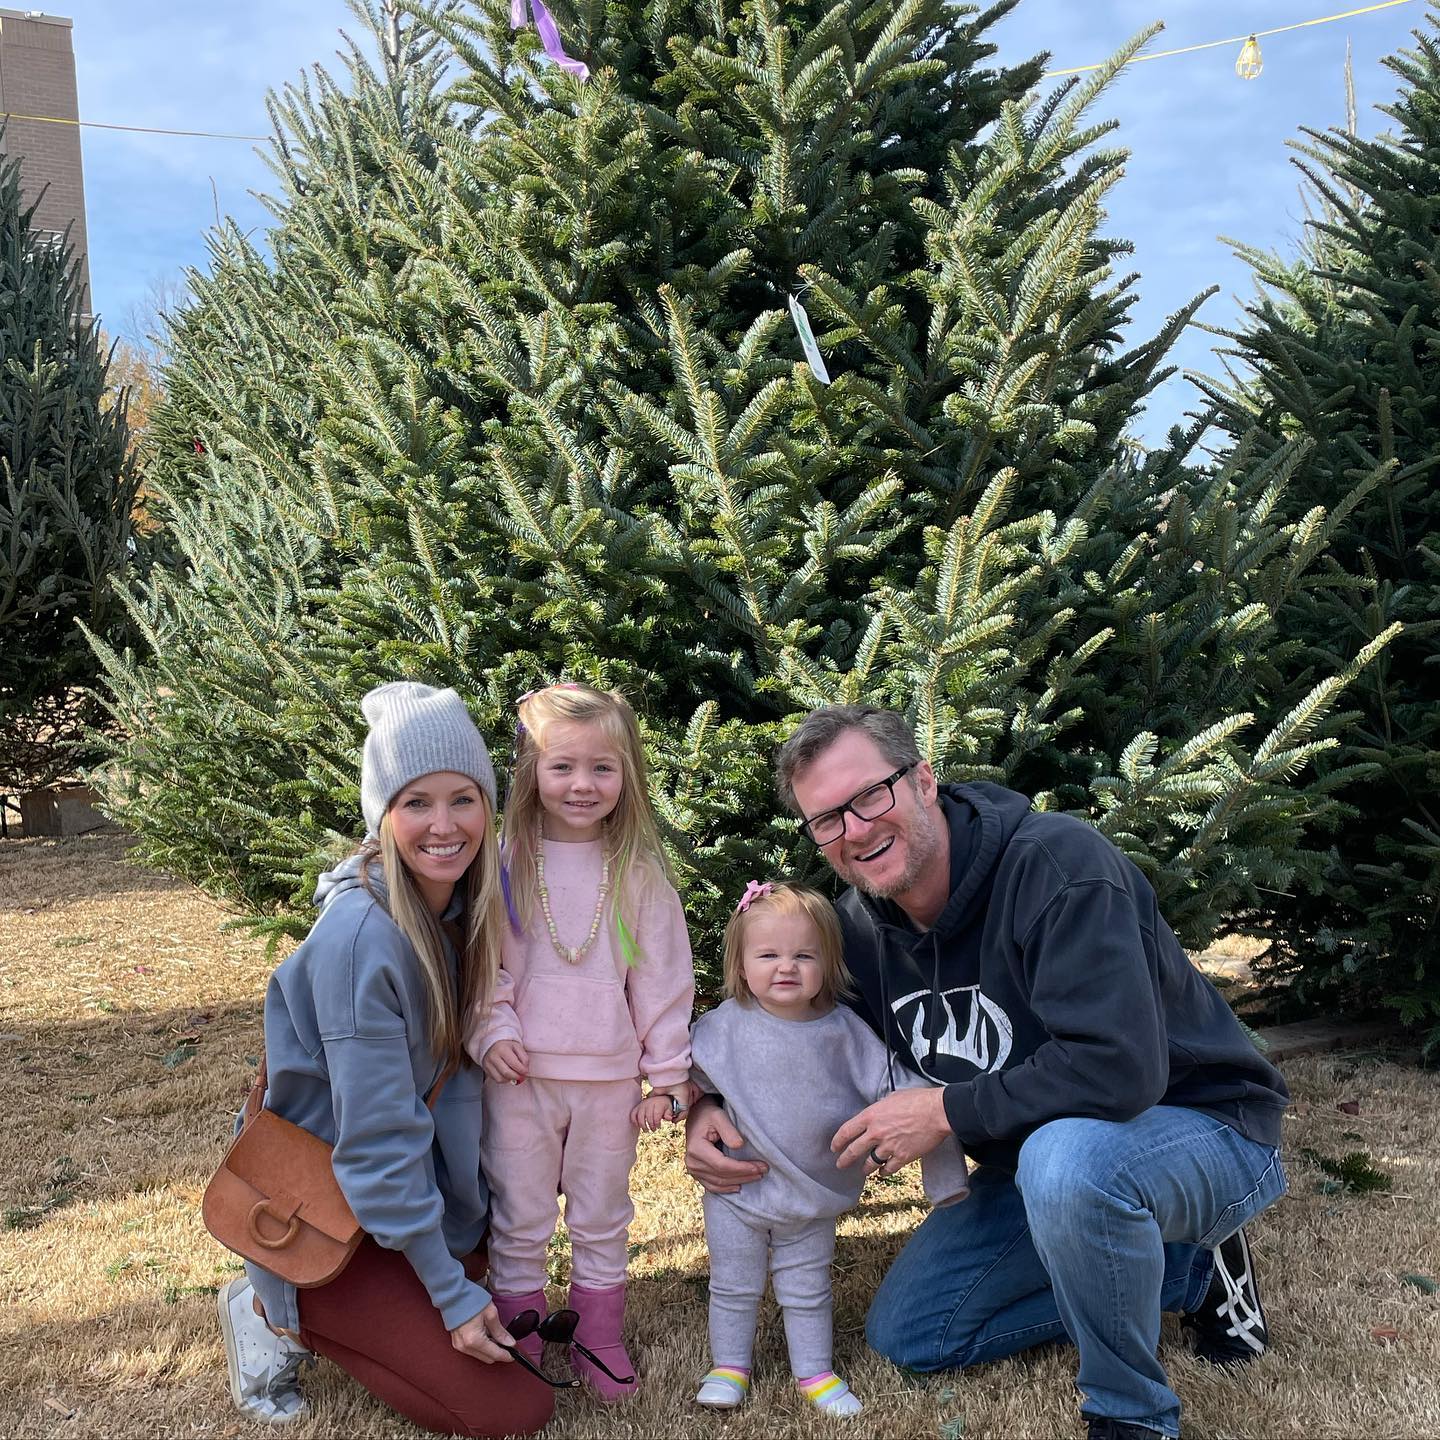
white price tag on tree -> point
(807, 341)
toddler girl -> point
(793, 1066)
(595, 990)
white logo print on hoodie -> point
(984, 1040)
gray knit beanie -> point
(416, 730)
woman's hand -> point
(706, 1130)
(480, 1336)
(507, 1061)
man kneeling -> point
(1124, 1126)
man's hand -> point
(506, 1061)
(706, 1129)
(900, 1128)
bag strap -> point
(439, 1085)
(255, 1100)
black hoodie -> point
(1049, 986)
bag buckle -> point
(280, 1208)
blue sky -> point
(1208, 152)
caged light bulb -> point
(1249, 63)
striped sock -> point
(724, 1387)
(828, 1392)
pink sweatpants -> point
(544, 1138)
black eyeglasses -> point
(871, 803)
(558, 1327)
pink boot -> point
(509, 1306)
(601, 1317)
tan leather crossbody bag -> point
(275, 1199)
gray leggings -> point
(798, 1256)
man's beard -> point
(922, 840)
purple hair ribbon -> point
(509, 898)
(549, 35)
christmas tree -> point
(66, 491)
(1340, 348)
(527, 392)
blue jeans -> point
(1105, 1225)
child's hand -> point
(652, 1112)
(507, 1061)
(689, 1093)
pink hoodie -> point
(600, 1019)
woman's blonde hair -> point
(630, 831)
(785, 899)
(482, 918)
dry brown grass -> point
(128, 1027)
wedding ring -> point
(879, 1162)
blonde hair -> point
(785, 899)
(630, 831)
(478, 948)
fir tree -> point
(1340, 347)
(541, 410)
(66, 492)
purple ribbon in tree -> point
(549, 35)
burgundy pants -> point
(377, 1323)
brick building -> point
(37, 77)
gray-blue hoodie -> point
(346, 1037)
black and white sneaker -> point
(1229, 1327)
(1104, 1428)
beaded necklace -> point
(572, 954)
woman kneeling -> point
(363, 1026)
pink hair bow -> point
(530, 695)
(753, 891)
(549, 36)
(558, 685)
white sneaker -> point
(724, 1388)
(264, 1367)
(828, 1392)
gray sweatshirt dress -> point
(788, 1086)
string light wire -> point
(1048, 75)
(133, 129)
(1234, 39)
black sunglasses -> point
(559, 1328)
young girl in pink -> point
(594, 994)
